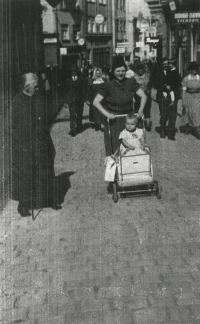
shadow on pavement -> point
(62, 185)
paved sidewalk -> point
(97, 262)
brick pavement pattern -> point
(97, 262)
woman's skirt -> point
(192, 104)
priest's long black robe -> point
(32, 154)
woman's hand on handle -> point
(139, 114)
(110, 115)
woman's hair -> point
(193, 66)
(118, 62)
(28, 78)
(140, 66)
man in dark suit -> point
(173, 80)
(74, 97)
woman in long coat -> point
(191, 100)
(32, 156)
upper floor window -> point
(91, 0)
(65, 33)
(91, 25)
(103, 1)
(124, 26)
(119, 26)
(76, 33)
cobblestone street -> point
(97, 262)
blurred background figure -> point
(74, 96)
(129, 73)
(173, 81)
(97, 117)
(191, 100)
(143, 79)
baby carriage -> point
(133, 172)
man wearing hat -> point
(74, 97)
(173, 81)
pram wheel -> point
(157, 189)
(115, 193)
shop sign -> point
(63, 51)
(99, 19)
(150, 30)
(187, 17)
(152, 40)
(124, 44)
(50, 40)
(139, 44)
(120, 50)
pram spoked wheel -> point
(115, 193)
(157, 189)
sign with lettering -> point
(152, 40)
(187, 17)
(120, 50)
(50, 40)
(124, 44)
(63, 51)
(99, 19)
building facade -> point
(77, 32)
(63, 26)
(21, 52)
(98, 32)
(178, 22)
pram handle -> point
(124, 115)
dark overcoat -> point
(32, 154)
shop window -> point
(76, 33)
(65, 33)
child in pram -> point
(132, 138)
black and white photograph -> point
(100, 162)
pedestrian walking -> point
(129, 72)
(165, 96)
(143, 79)
(74, 97)
(173, 81)
(98, 117)
(32, 155)
(118, 95)
(191, 100)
